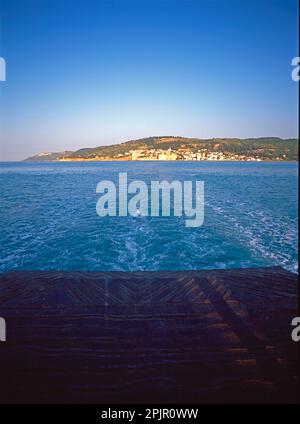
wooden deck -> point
(193, 336)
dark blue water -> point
(48, 218)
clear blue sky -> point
(87, 73)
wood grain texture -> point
(193, 336)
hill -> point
(264, 148)
(48, 157)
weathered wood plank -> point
(195, 336)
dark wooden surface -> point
(193, 336)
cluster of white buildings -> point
(186, 154)
(153, 154)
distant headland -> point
(184, 149)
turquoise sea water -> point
(48, 218)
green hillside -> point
(269, 147)
(266, 148)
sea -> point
(48, 218)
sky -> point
(91, 73)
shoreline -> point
(160, 161)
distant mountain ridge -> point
(267, 148)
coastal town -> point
(182, 154)
(175, 148)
